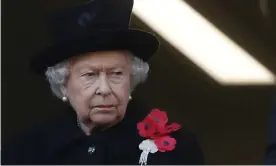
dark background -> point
(230, 122)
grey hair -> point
(57, 74)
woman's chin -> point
(104, 119)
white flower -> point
(147, 146)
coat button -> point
(91, 149)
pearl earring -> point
(64, 98)
(129, 97)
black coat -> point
(270, 153)
(61, 141)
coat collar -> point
(65, 130)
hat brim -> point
(142, 44)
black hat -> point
(98, 25)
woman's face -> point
(98, 87)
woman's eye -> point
(90, 74)
(118, 73)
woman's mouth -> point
(104, 107)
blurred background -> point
(229, 119)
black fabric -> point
(62, 142)
(99, 25)
(93, 16)
(270, 153)
(140, 43)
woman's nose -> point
(104, 87)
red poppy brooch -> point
(156, 131)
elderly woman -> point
(93, 66)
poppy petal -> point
(160, 117)
(146, 128)
(165, 143)
(172, 127)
